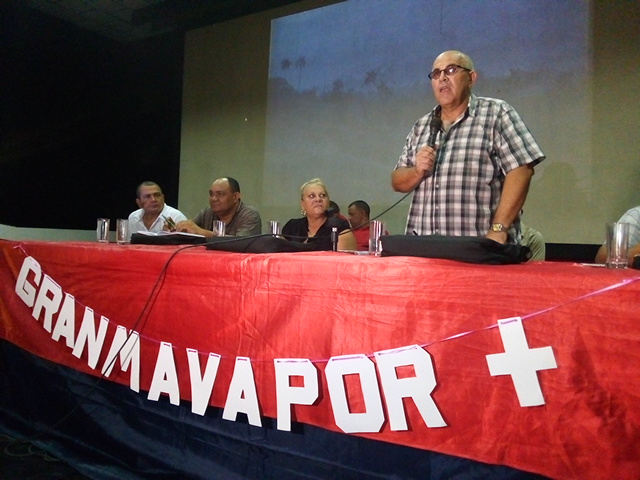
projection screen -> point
(331, 89)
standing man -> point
(153, 215)
(225, 204)
(470, 170)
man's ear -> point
(474, 76)
(139, 202)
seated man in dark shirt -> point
(225, 204)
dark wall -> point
(83, 120)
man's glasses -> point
(448, 71)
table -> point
(244, 338)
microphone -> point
(434, 127)
(334, 239)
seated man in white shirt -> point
(153, 215)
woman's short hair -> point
(313, 181)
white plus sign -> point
(521, 362)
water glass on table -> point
(219, 228)
(617, 245)
(376, 230)
(122, 231)
(102, 230)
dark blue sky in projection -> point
(396, 40)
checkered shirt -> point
(460, 196)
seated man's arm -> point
(630, 217)
(347, 241)
(171, 220)
(189, 226)
(601, 256)
(633, 251)
(195, 226)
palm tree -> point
(285, 64)
(301, 62)
(371, 78)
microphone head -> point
(436, 123)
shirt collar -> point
(471, 107)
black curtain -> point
(83, 120)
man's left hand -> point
(500, 237)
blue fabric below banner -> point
(109, 432)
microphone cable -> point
(383, 212)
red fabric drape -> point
(325, 304)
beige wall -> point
(224, 107)
(616, 139)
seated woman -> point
(315, 227)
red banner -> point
(534, 366)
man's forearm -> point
(514, 194)
(405, 179)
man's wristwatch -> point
(498, 227)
